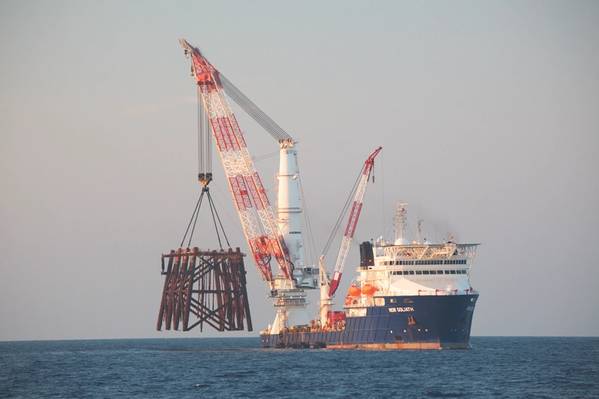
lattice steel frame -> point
(204, 287)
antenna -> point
(419, 231)
(400, 219)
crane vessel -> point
(407, 295)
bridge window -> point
(455, 262)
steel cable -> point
(341, 215)
(254, 111)
(193, 219)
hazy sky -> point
(488, 113)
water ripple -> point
(239, 368)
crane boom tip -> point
(187, 46)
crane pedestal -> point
(204, 287)
(290, 305)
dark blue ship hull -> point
(403, 322)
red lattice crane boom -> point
(253, 207)
(352, 221)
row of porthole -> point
(419, 272)
(425, 262)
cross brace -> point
(204, 287)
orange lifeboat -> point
(369, 289)
(354, 291)
(353, 294)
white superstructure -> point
(420, 269)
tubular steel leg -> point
(163, 302)
(204, 287)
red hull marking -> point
(390, 346)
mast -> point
(400, 219)
(289, 213)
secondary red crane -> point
(329, 287)
(352, 221)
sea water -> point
(497, 367)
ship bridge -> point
(419, 269)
